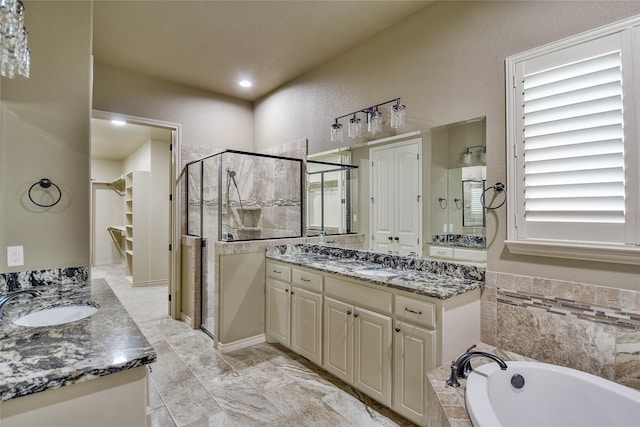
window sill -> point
(617, 254)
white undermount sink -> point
(56, 315)
(375, 273)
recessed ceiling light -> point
(117, 122)
(245, 83)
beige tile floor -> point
(194, 385)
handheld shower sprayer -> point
(232, 174)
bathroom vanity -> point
(86, 372)
(375, 321)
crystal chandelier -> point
(374, 121)
(14, 53)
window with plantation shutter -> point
(573, 147)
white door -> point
(396, 198)
(408, 213)
(414, 354)
(278, 311)
(372, 353)
(383, 199)
(306, 324)
(338, 339)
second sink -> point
(56, 315)
(375, 273)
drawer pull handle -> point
(277, 272)
(412, 311)
(305, 280)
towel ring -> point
(45, 183)
(443, 203)
(498, 188)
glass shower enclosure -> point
(239, 196)
(235, 196)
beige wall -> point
(207, 119)
(447, 64)
(45, 133)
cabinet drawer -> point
(416, 311)
(278, 271)
(307, 279)
(374, 299)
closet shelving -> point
(136, 207)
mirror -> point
(453, 175)
(330, 189)
(457, 177)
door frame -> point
(175, 223)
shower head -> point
(232, 174)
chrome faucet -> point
(461, 367)
(13, 295)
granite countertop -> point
(35, 359)
(435, 279)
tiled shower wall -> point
(595, 329)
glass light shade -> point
(355, 127)
(397, 116)
(466, 159)
(375, 122)
(337, 134)
(14, 54)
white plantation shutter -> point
(573, 146)
(573, 142)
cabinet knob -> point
(396, 238)
(286, 290)
(292, 292)
(349, 312)
(397, 329)
(390, 238)
(355, 315)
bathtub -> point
(551, 396)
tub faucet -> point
(13, 295)
(462, 366)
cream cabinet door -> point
(396, 198)
(372, 352)
(306, 324)
(278, 321)
(414, 353)
(338, 339)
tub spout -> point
(462, 366)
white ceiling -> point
(211, 45)
(110, 142)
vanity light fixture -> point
(466, 155)
(374, 121)
(14, 53)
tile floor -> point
(194, 385)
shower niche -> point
(238, 196)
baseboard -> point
(186, 319)
(237, 345)
(150, 283)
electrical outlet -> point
(15, 256)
